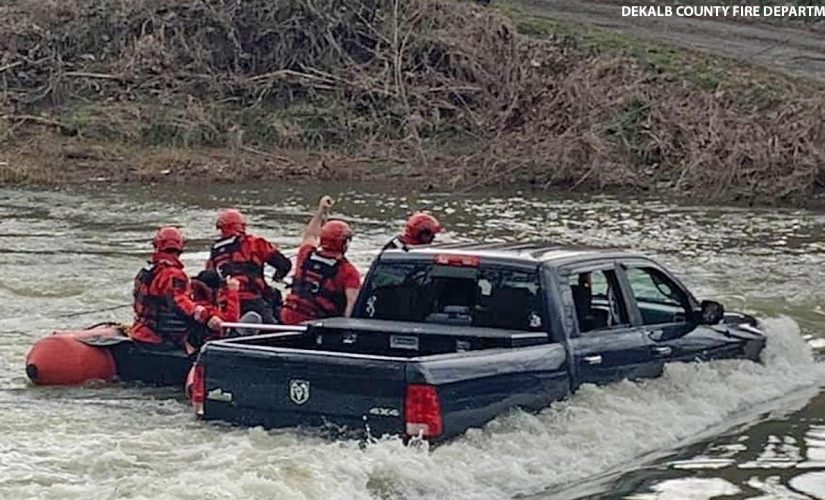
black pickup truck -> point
(447, 337)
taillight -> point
(422, 411)
(457, 260)
(196, 387)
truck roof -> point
(537, 252)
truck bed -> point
(406, 340)
(355, 376)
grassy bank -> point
(457, 93)
(703, 70)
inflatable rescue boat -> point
(103, 352)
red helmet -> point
(421, 229)
(335, 236)
(168, 239)
(231, 222)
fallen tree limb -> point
(10, 66)
(96, 76)
(37, 119)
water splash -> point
(63, 444)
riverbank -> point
(436, 94)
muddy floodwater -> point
(729, 429)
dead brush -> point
(446, 86)
(414, 68)
(609, 123)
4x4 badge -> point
(299, 391)
(219, 394)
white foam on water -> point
(125, 446)
(702, 463)
(773, 489)
(689, 489)
(812, 483)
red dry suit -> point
(318, 286)
(164, 310)
(225, 304)
(243, 256)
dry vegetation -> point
(220, 90)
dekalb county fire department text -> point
(723, 10)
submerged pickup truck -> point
(447, 337)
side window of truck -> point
(658, 298)
(598, 300)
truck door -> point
(663, 308)
(605, 344)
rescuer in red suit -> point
(420, 230)
(325, 283)
(242, 256)
(165, 313)
(210, 291)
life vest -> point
(312, 289)
(158, 312)
(231, 257)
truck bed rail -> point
(266, 327)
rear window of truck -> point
(483, 296)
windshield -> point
(485, 296)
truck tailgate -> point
(292, 387)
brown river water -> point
(728, 429)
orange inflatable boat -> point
(103, 352)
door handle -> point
(663, 350)
(656, 335)
(593, 360)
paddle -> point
(95, 311)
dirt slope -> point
(793, 51)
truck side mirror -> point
(711, 312)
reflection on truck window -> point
(598, 300)
(494, 297)
(659, 299)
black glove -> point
(281, 264)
